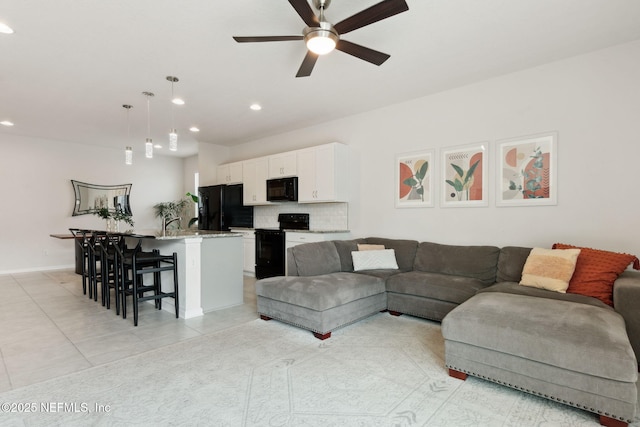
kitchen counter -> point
(187, 234)
(290, 230)
(318, 231)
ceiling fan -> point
(322, 37)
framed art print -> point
(526, 169)
(464, 176)
(414, 180)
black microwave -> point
(282, 189)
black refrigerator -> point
(220, 208)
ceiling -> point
(70, 65)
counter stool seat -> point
(138, 264)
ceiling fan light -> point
(321, 40)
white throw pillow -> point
(374, 260)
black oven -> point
(271, 245)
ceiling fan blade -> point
(375, 13)
(305, 12)
(267, 39)
(307, 64)
(362, 52)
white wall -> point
(592, 101)
(38, 198)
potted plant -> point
(170, 212)
(113, 218)
(195, 199)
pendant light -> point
(128, 152)
(173, 134)
(148, 146)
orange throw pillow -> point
(596, 270)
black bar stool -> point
(94, 263)
(109, 269)
(81, 238)
(137, 264)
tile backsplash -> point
(322, 216)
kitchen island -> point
(209, 267)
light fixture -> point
(6, 123)
(323, 39)
(194, 129)
(5, 29)
(128, 152)
(173, 134)
(255, 107)
(148, 146)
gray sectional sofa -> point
(565, 347)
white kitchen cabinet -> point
(230, 173)
(283, 164)
(322, 174)
(254, 178)
(249, 250)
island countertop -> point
(183, 234)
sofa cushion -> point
(368, 247)
(374, 260)
(478, 262)
(576, 337)
(443, 287)
(313, 259)
(320, 292)
(515, 288)
(405, 250)
(596, 271)
(511, 262)
(550, 269)
(344, 248)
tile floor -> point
(48, 328)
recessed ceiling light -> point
(6, 123)
(5, 29)
(255, 107)
(178, 101)
(158, 146)
(194, 129)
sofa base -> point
(414, 305)
(321, 323)
(604, 420)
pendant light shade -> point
(128, 152)
(148, 146)
(173, 134)
(173, 140)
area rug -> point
(382, 371)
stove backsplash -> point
(322, 216)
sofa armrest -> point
(626, 301)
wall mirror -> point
(91, 197)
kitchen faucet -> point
(165, 222)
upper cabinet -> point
(254, 177)
(230, 173)
(283, 164)
(322, 174)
